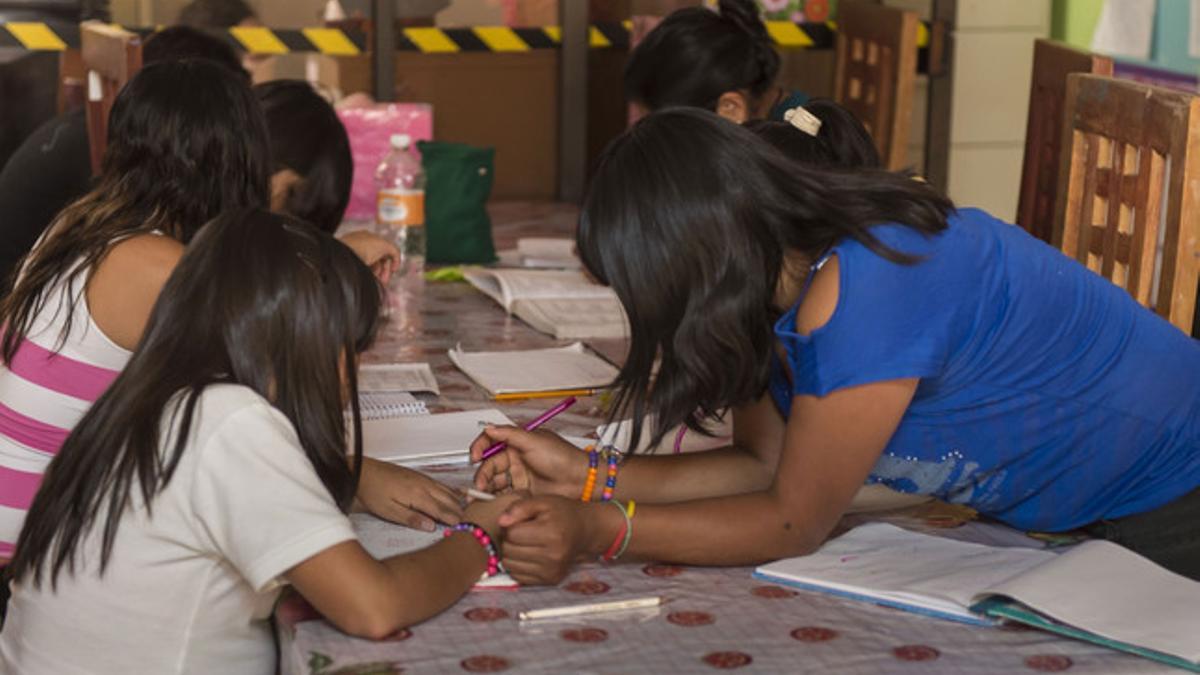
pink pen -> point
(537, 422)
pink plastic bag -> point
(370, 129)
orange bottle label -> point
(401, 208)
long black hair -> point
(186, 141)
(260, 300)
(308, 138)
(695, 55)
(689, 219)
(841, 140)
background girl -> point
(721, 61)
(862, 330)
(214, 468)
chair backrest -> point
(111, 57)
(876, 72)
(1129, 183)
(1052, 62)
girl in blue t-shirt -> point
(862, 330)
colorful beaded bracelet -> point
(610, 482)
(484, 539)
(593, 465)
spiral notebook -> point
(380, 405)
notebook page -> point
(1113, 592)
(379, 377)
(423, 437)
(548, 252)
(574, 318)
(885, 562)
(562, 368)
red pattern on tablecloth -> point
(728, 660)
(773, 592)
(484, 614)
(485, 663)
(814, 634)
(1048, 663)
(690, 618)
(916, 653)
(584, 634)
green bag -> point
(458, 182)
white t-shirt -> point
(189, 589)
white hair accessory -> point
(803, 120)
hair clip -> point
(803, 120)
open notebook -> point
(561, 303)
(425, 439)
(1097, 591)
(535, 370)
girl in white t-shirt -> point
(214, 470)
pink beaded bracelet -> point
(485, 540)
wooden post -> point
(383, 49)
(940, 93)
(572, 106)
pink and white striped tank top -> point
(44, 393)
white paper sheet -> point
(1194, 33)
(534, 370)
(1125, 28)
(380, 377)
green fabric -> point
(458, 184)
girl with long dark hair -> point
(862, 330)
(723, 61)
(215, 468)
(186, 142)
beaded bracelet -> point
(621, 541)
(610, 481)
(593, 466)
(484, 539)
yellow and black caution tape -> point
(337, 42)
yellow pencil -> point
(522, 395)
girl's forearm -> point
(430, 580)
(744, 529)
(678, 478)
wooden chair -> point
(111, 57)
(1052, 62)
(876, 71)
(1129, 182)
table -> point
(715, 619)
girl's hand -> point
(539, 462)
(545, 536)
(407, 497)
(378, 253)
(487, 514)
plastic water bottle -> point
(400, 205)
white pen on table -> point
(593, 608)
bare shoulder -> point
(126, 283)
(821, 300)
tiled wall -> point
(993, 60)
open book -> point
(562, 303)
(1097, 591)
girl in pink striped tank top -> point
(186, 140)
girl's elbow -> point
(370, 625)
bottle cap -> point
(401, 141)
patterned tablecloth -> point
(714, 619)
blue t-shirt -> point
(1048, 398)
